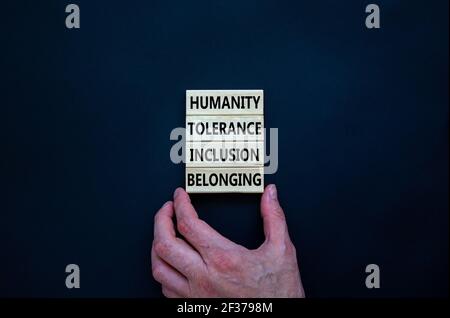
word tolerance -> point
(225, 128)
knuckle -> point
(184, 227)
(224, 262)
(161, 248)
(206, 286)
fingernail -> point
(166, 204)
(273, 192)
(177, 192)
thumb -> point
(275, 227)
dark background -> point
(86, 116)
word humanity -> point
(224, 102)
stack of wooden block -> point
(224, 141)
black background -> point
(363, 137)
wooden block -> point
(225, 180)
(224, 102)
(224, 128)
(224, 141)
(224, 154)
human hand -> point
(206, 264)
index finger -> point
(196, 231)
(170, 248)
